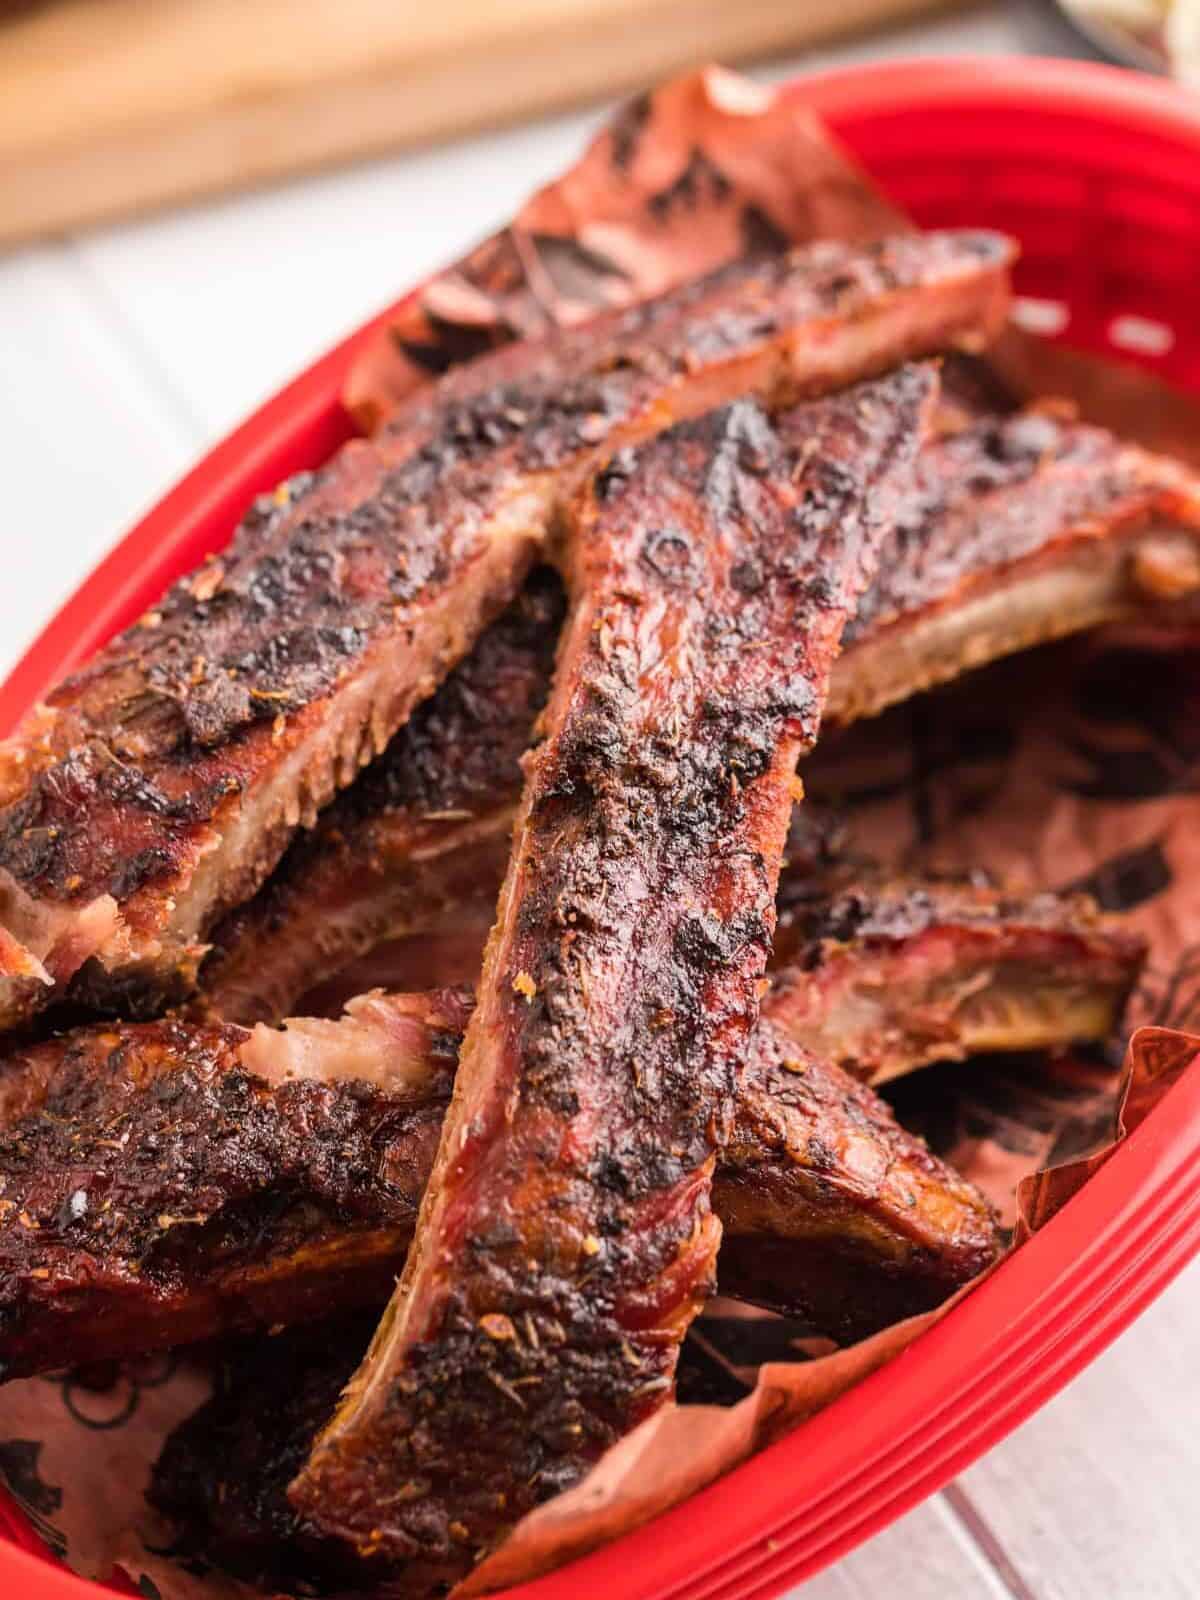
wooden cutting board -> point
(112, 106)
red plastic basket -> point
(1098, 174)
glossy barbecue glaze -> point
(566, 1240)
(158, 786)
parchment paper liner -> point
(1090, 781)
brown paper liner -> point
(1075, 765)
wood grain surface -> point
(111, 108)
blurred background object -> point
(1156, 35)
(112, 106)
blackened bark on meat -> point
(832, 1212)
(888, 976)
(158, 786)
(1021, 527)
(222, 1474)
(566, 1240)
(157, 1188)
(164, 1183)
(424, 829)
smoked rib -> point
(157, 786)
(1021, 528)
(830, 1213)
(222, 1474)
(566, 1239)
(887, 976)
(165, 1183)
(423, 831)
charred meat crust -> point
(566, 1239)
(1003, 507)
(831, 1212)
(158, 1189)
(1003, 488)
(197, 742)
(889, 975)
(167, 1182)
(424, 829)
(222, 1474)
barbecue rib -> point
(566, 1239)
(824, 1244)
(222, 1474)
(424, 829)
(159, 785)
(877, 975)
(1024, 527)
(165, 1182)
(887, 977)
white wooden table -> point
(124, 354)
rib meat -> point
(878, 976)
(164, 1183)
(425, 830)
(1023, 529)
(566, 1239)
(158, 786)
(886, 977)
(830, 1212)
(223, 1473)
(1024, 526)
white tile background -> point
(125, 352)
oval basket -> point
(1097, 172)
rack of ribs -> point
(1024, 527)
(566, 1238)
(167, 1182)
(157, 786)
